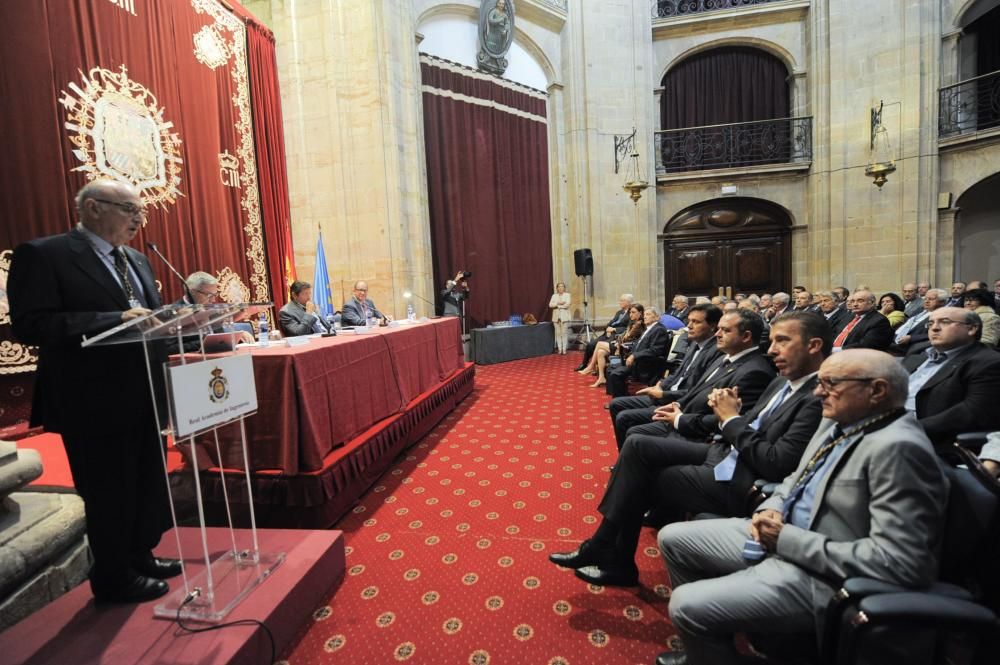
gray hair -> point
(753, 299)
(702, 300)
(653, 310)
(627, 297)
(890, 369)
(781, 297)
(939, 294)
(825, 294)
(198, 279)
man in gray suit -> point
(867, 499)
(299, 316)
(357, 310)
(914, 302)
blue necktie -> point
(725, 469)
(810, 470)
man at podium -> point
(77, 284)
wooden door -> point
(738, 243)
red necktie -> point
(839, 342)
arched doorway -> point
(977, 231)
(741, 243)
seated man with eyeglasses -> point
(955, 386)
(203, 289)
(357, 310)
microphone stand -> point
(187, 291)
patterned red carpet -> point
(446, 556)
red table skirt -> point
(314, 398)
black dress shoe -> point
(157, 567)
(580, 367)
(139, 590)
(672, 658)
(650, 518)
(610, 575)
(585, 555)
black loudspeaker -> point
(584, 261)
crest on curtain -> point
(496, 33)
(118, 130)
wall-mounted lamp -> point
(882, 163)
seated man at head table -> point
(300, 316)
(867, 499)
(203, 289)
(357, 310)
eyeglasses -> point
(211, 295)
(130, 209)
(945, 322)
(830, 383)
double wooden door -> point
(699, 267)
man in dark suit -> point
(868, 329)
(911, 337)
(680, 307)
(914, 302)
(642, 362)
(617, 325)
(357, 310)
(702, 351)
(957, 298)
(835, 315)
(955, 387)
(300, 316)
(766, 443)
(82, 283)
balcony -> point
(785, 141)
(969, 107)
(671, 8)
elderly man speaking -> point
(867, 499)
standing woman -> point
(559, 304)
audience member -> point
(868, 329)
(766, 443)
(680, 307)
(357, 310)
(841, 294)
(955, 387)
(996, 295)
(914, 304)
(922, 288)
(957, 291)
(616, 326)
(868, 498)
(765, 302)
(620, 346)
(779, 303)
(641, 363)
(980, 301)
(836, 316)
(560, 303)
(299, 316)
(911, 337)
(891, 307)
(700, 354)
(803, 301)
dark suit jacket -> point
(838, 320)
(619, 321)
(709, 354)
(775, 450)
(962, 397)
(872, 332)
(650, 353)
(353, 314)
(295, 320)
(750, 373)
(681, 314)
(60, 291)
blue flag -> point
(322, 295)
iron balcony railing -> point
(781, 141)
(969, 106)
(670, 8)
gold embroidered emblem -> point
(210, 48)
(14, 356)
(119, 132)
(231, 287)
(218, 386)
(229, 169)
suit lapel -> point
(86, 260)
(946, 371)
(804, 391)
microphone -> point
(152, 246)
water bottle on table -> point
(411, 315)
(262, 338)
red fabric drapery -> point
(488, 189)
(265, 102)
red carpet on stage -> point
(447, 554)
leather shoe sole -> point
(157, 567)
(672, 658)
(609, 576)
(138, 590)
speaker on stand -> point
(583, 261)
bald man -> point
(867, 499)
(82, 283)
(357, 310)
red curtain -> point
(488, 189)
(265, 101)
(157, 91)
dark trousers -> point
(627, 412)
(632, 488)
(121, 480)
(588, 351)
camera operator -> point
(455, 292)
